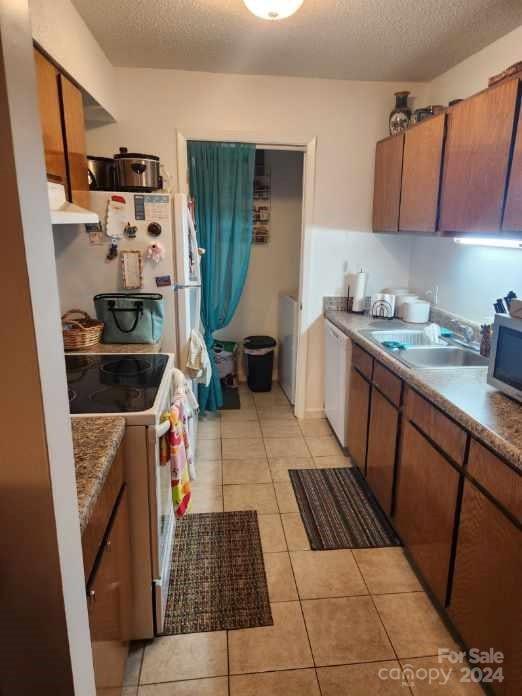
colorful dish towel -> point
(175, 449)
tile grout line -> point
(301, 610)
(378, 614)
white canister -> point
(416, 312)
(401, 299)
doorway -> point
(269, 302)
(306, 146)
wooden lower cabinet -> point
(109, 602)
(382, 446)
(486, 598)
(358, 414)
(424, 516)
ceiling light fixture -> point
(273, 9)
(489, 242)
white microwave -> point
(505, 366)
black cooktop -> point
(113, 383)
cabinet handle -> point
(108, 545)
(91, 595)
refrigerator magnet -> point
(163, 281)
(155, 252)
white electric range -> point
(138, 387)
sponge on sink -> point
(394, 345)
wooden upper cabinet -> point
(75, 147)
(50, 118)
(422, 162)
(387, 184)
(513, 212)
(476, 160)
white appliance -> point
(187, 284)
(287, 355)
(151, 513)
(337, 366)
(505, 367)
(382, 306)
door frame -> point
(307, 145)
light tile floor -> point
(342, 619)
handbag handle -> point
(138, 308)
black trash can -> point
(259, 351)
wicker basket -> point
(80, 332)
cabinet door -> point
(75, 147)
(476, 160)
(387, 184)
(423, 145)
(50, 118)
(358, 414)
(486, 602)
(110, 604)
(382, 446)
(425, 507)
(513, 212)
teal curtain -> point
(222, 183)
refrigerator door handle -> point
(177, 287)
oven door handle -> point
(162, 429)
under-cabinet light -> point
(489, 242)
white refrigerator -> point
(87, 272)
(187, 284)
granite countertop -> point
(96, 441)
(461, 392)
(119, 348)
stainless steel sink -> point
(420, 352)
(409, 337)
(440, 357)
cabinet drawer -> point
(387, 383)
(450, 437)
(504, 484)
(362, 360)
(95, 531)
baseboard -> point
(314, 413)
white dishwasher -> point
(337, 365)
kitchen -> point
(476, 455)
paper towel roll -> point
(358, 291)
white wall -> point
(59, 29)
(469, 278)
(274, 267)
(472, 74)
(346, 117)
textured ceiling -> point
(343, 39)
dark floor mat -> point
(339, 511)
(218, 579)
